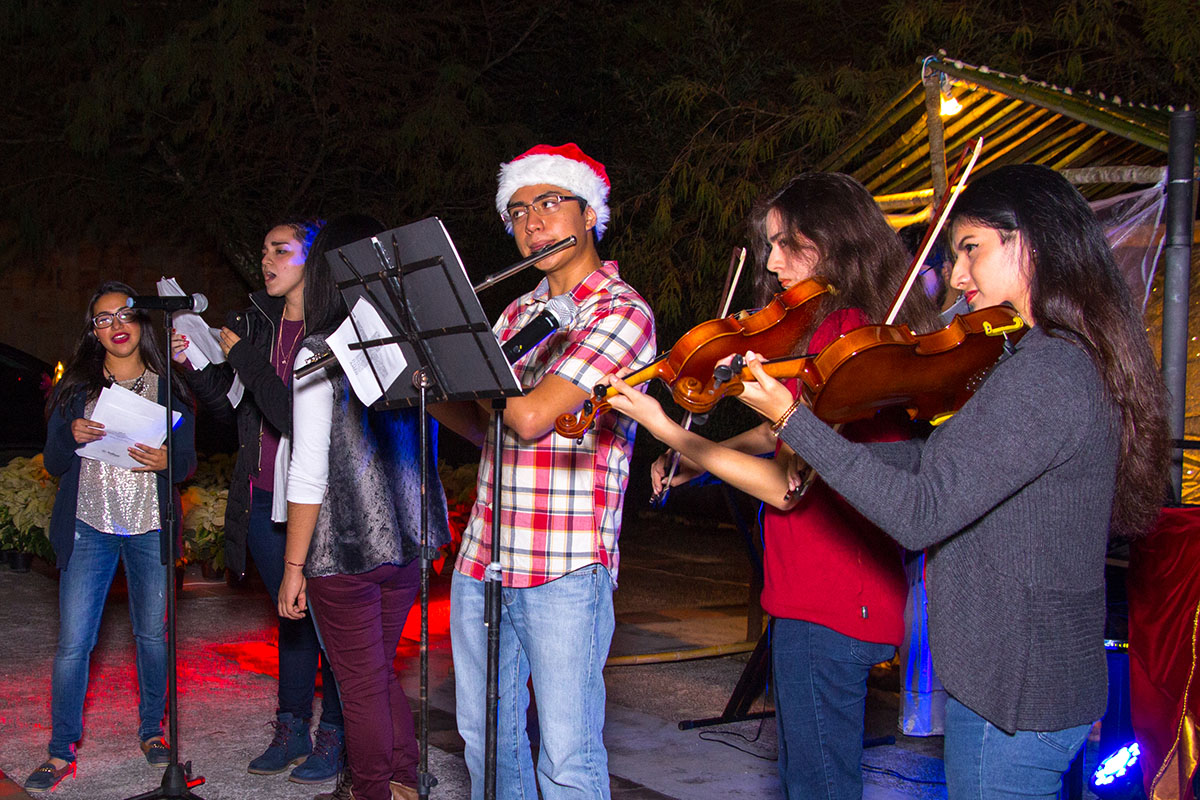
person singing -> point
(260, 345)
(560, 512)
(104, 514)
(1016, 496)
(833, 583)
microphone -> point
(559, 311)
(191, 302)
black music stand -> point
(413, 277)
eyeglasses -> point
(542, 205)
(105, 318)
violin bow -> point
(732, 276)
(943, 214)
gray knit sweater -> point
(1012, 496)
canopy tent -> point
(1108, 144)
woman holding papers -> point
(104, 513)
(260, 345)
(353, 535)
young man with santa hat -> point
(560, 510)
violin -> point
(874, 367)
(689, 368)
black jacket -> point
(267, 401)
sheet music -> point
(388, 359)
(128, 419)
(204, 343)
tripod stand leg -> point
(175, 784)
(750, 685)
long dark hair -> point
(85, 370)
(324, 308)
(1077, 292)
(860, 255)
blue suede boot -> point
(328, 756)
(289, 746)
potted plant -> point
(27, 498)
(8, 538)
(204, 516)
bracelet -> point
(293, 564)
(777, 427)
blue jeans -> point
(983, 762)
(82, 589)
(298, 643)
(559, 634)
(820, 699)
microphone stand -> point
(176, 781)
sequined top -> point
(114, 499)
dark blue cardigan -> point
(60, 460)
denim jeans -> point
(820, 699)
(985, 763)
(559, 634)
(362, 617)
(82, 589)
(298, 643)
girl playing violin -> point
(833, 583)
(1015, 497)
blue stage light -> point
(1119, 775)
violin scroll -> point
(575, 426)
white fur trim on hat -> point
(574, 176)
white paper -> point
(388, 359)
(236, 390)
(204, 343)
(128, 419)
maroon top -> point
(283, 359)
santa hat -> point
(565, 166)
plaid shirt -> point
(561, 508)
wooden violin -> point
(689, 367)
(930, 375)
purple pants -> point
(360, 618)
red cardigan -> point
(824, 562)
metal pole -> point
(493, 587)
(425, 781)
(1181, 165)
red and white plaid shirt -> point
(561, 508)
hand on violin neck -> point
(764, 394)
(638, 406)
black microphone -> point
(559, 311)
(191, 302)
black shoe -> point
(157, 752)
(47, 776)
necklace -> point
(284, 356)
(139, 383)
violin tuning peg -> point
(588, 407)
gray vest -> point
(371, 514)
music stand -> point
(413, 277)
(177, 781)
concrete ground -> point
(682, 586)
